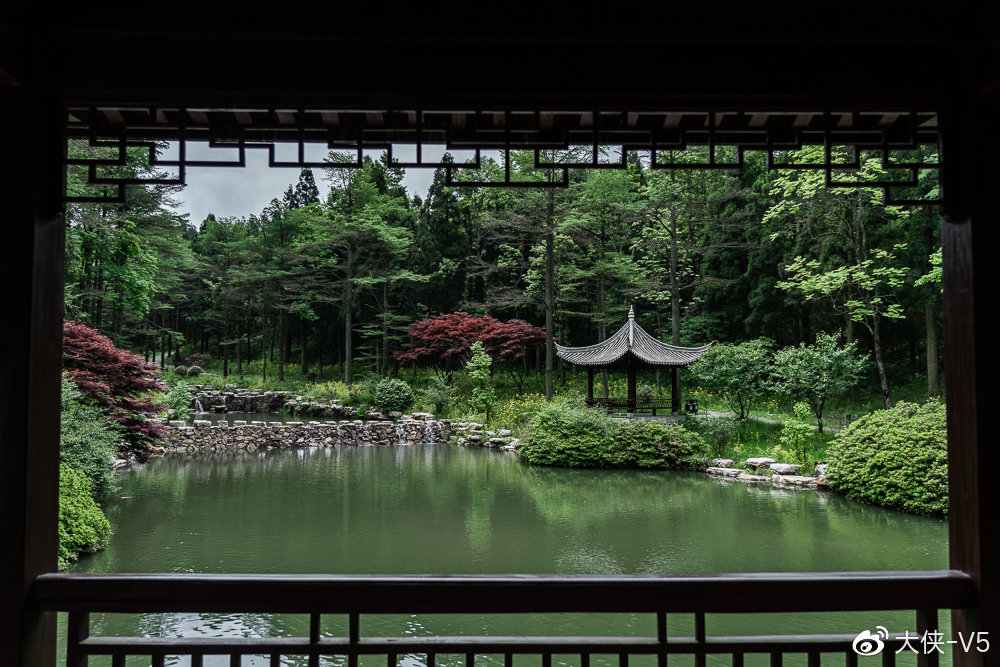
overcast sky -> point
(242, 191)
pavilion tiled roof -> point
(631, 339)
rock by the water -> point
(722, 463)
(785, 468)
(821, 469)
(760, 462)
(724, 472)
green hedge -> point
(83, 528)
(896, 458)
(392, 395)
(577, 437)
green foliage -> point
(571, 436)
(392, 395)
(438, 393)
(739, 374)
(181, 371)
(88, 439)
(896, 458)
(484, 394)
(179, 400)
(797, 433)
(717, 432)
(83, 528)
(818, 372)
(195, 371)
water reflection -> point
(440, 509)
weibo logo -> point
(868, 644)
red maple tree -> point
(444, 338)
(113, 378)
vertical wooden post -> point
(970, 236)
(590, 385)
(675, 390)
(630, 403)
(31, 180)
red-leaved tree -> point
(114, 378)
(443, 339)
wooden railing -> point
(924, 592)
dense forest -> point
(328, 286)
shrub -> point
(797, 433)
(392, 395)
(83, 528)
(181, 371)
(114, 379)
(195, 371)
(896, 458)
(570, 436)
(178, 399)
(88, 440)
(717, 432)
(438, 393)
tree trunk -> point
(263, 352)
(281, 345)
(879, 361)
(303, 363)
(239, 350)
(933, 372)
(675, 290)
(385, 329)
(550, 293)
(225, 341)
(319, 347)
(348, 324)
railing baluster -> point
(234, 660)
(432, 658)
(159, 660)
(470, 660)
(196, 660)
(118, 660)
(852, 658)
(79, 629)
(814, 659)
(737, 658)
(661, 637)
(699, 636)
(314, 623)
(927, 621)
(776, 658)
(584, 660)
(888, 657)
(275, 660)
(353, 637)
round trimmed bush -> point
(392, 395)
(896, 458)
(181, 370)
(195, 371)
(569, 436)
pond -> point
(433, 509)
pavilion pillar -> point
(32, 181)
(590, 385)
(970, 234)
(630, 402)
(675, 390)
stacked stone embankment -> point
(766, 469)
(472, 434)
(237, 400)
(205, 437)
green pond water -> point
(435, 509)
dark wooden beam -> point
(30, 365)
(970, 236)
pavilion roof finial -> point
(631, 313)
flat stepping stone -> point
(794, 480)
(785, 468)
(724, 472)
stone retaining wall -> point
(238, 400)
(203, 436)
